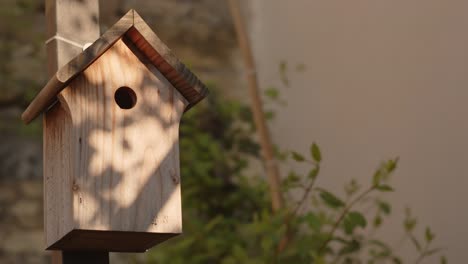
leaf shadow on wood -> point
(126, 176)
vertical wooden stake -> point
(70, 25)
(268, 154)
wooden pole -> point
(70, 25)
(268, 153)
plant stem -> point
(304, 196)
(290, 234)
(422, 255)
(268, 155)
(342, 215)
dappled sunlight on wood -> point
(128, 150)
(126, 174)
(135, 155)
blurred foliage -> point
(22, 71)
(227, 214)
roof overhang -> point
(137, 31)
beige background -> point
(384, 78)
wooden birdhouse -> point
(111, 152)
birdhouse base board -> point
(110, 241)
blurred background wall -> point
(383, 79)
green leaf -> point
(318, 259)
(377, 177)
(283, 68)
(313, 221)
(429, 235)
(409, 222)
(239, 252)
(348, 226)
(297, 157)
(392, 164)
(280, 155)
(384, 207)
(384, 188)
(269, 115)
(313, 173)
(352, 187)
(215, 221)
(315, 152)
(331, 200)
(350, 247)
(396, 260)
(352, 220)
(358, 218)
(293, 177)
(293, 180)
(267, 243)
(377, 221)
(443, 260)
(272, 93)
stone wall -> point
(21, 222)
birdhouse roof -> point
(135, 29)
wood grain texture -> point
(58, 215)
(77, 21)
(111, 169)
(163, 58)
(133, 27)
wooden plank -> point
(58, 215)
(78, 22)
(73, 20)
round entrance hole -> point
(125, 97)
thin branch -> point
(342, 215)
(307, 191)
(289, 235)
(428, 252)
(423, 253)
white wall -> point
(384, 78)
